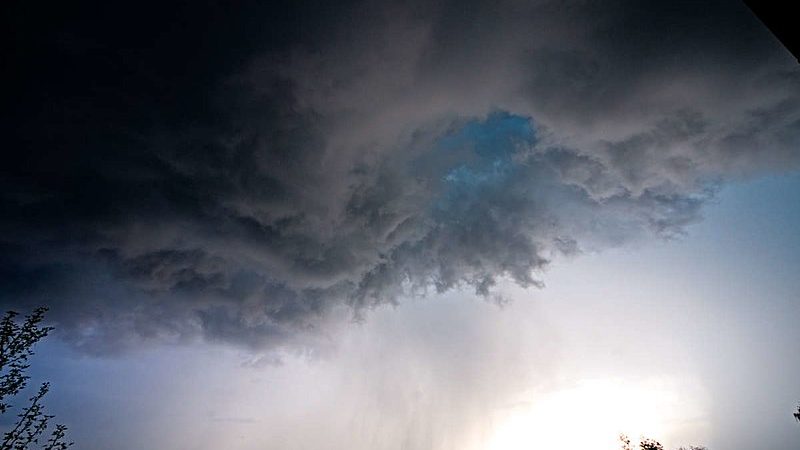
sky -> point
(419, 225)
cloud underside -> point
(247, 182)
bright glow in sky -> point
(589, 415)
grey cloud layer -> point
(386, 150)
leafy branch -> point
(16, 346)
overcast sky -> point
(412, 225)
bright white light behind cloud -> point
(592, 413)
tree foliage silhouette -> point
(650, 444)
(16, 346)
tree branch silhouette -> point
(650, 444)
(16, 346)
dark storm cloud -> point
(245, 174)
